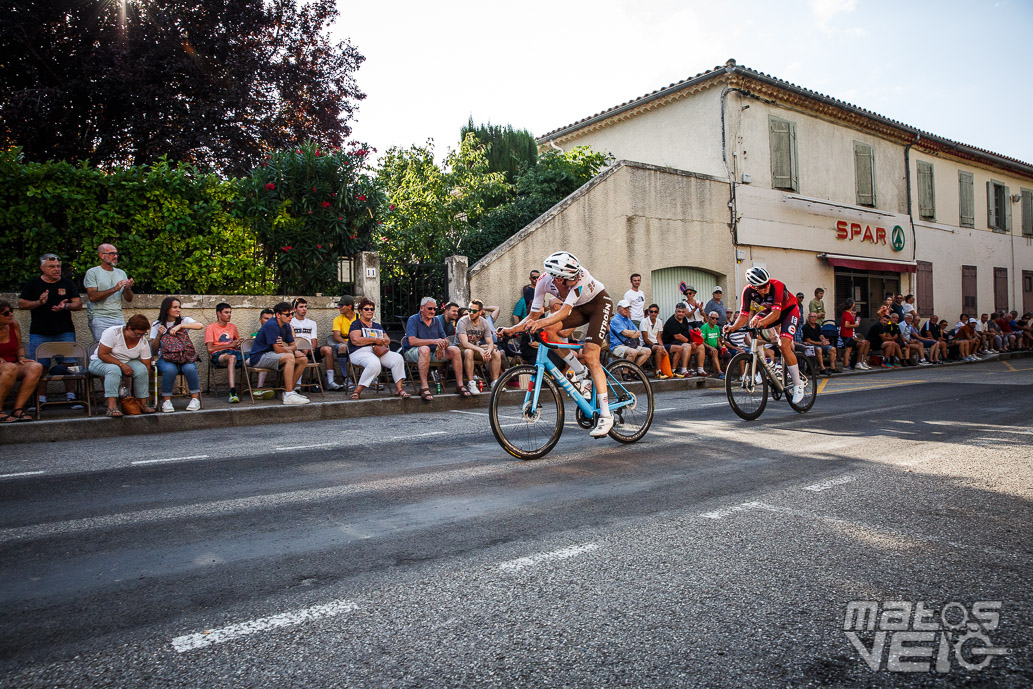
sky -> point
(959, 70)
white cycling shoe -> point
(798, 392)
(602, 427)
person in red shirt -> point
(849, 321)
(778, 305)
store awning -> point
(862, 263)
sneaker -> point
(333, 385)
(798, 392)
(294, 398)
(679, 375)
(885, 365)
(264, 394)
(167, 407)
(923, 362)
(233, 399)
(701, 373)
(493, 384)
(194, 404)
(720, 376)
(472, 387)
(298, 394)
(602, 427)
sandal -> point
(425, 394)
(19, 415)
(403, 394)
(114, 412)
(355, 395)
(463, 391)
(6, 418)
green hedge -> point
(178, 230)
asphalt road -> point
(413, 552)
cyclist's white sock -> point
(575, 365)
(604, 405)
(794, 371)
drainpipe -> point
(553, 144)
(731, 189)
(910, 215)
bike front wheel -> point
(628, 385)
(810, 381)
(746, 387)
(523, 431)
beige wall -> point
(631, 218)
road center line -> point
(21, 474)
(209, 637)
(414, 437)
(471, 413)
(168, 459)
(304, 447)
(831, 483)
(561, 554)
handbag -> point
(131, 406)
(178, 348)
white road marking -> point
(304, 447)
(168, 459)
(561, 554)
(831, 483)
(732, 509)
(209, 637)
(471, 413)
(665, 409)
(21, 474)
(414, 437)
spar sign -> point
(866, 233)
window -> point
(782, 139)
(1000, 289)
(864, 173)
(998, 210)
(924, 288)
(968, 289)
(926, 193)
(967, 199)
(1027, 212)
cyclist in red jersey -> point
(777, 305)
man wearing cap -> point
(637, 299)
(338, 339)
(715, 304)
(624, 342)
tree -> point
(436, 208)
(212, 82)
(508, 150)
(310, 207)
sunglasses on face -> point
(651, 311)
(369, 308)
(8, 312)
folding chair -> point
(245, 348)
(81, 377)
(311, 366)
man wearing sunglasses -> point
(107, 286)
(474, 333)
(274, 348)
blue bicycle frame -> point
(544, 365)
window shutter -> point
(967, 202)
(1027, 213)
(864, 173)
(780, 135)
(926, 199)
(1007, 209)
(991, 214)
(794, 167)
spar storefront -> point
(849, 251)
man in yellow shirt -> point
(338, 339)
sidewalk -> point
(65, 424)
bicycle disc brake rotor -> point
(531, 415)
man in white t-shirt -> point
(637, 299)
(303, 326)
(652, 328)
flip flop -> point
(19, 415)
(6, 418)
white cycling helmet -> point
(563, 264)
(757, 276)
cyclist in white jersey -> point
(584, 301)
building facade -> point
(821, 192)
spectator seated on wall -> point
(934, 349)
(676, 339)
(967, 340)
(848, 325)
(823, 349)
(171, 343)
(912, 344)
(652, 336)
(624, 336)
(15, 366)
(883, 340)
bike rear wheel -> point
(809, 379)
(746, 395)
(629, 384)
(524, 432)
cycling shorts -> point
(789, 322)
(597, 314)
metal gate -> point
(665, 283)
(402, 285)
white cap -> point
(718, 289)
(623, 304)
(972, 320)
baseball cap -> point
(623, 304)
(718, 289)
(346, 300)
(972, 320)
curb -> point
(83, 428)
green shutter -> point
(1027, 213)
(782, 140)
(926, 192)
(967, 199)
(1007, 209)
(794, 166)
(864, 173)
(991, 208)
